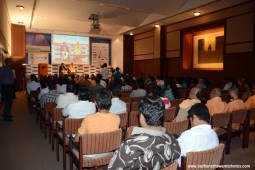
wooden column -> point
(128, 54)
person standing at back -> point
(6, 88)
(105, 73)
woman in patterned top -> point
(150, 146)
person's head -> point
(70, 88)
(116, 90)
(152, 111)
(99, 76)
(105, 65)
(117, 69)
(98, 80)
(194, 93)
(216, 92)
(52, 84)
(86, 76)
(33, 77)
(156, 91)
(140, 84)
(103, 99)
(8, 62)
(84, 93)
(234, 92)
(62, 64)
(199, 114)
(43, 83)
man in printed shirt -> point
(52, 95)
(150, 146)
(6, 88)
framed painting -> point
(208, 49)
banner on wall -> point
(100, 53)
(38, 42)
(36, 58)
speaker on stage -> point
(42, 69)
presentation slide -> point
(69, 49)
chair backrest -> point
(129, 132)
(123, 119)
(220, 120)
(239, 116)
(126, 99)
(48, 107)
(100, 142)
(208, 157)
(252, 114)
(34, 94)
(176, 127)
(137, 99)
(173, 166)
(134, 106)
(170, 114)
(134, 118)
(57, 114)
(176, 102)
(71, 125)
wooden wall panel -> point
(18, 41)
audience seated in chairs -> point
(118, 106)
(44, 87)
(236, 103)
(33, 84)
(150, 145)
(69, 97)
(250, 102)
(215, 104)
(98, 86)
(52, 95)
(81, 108)
(201, 136)
(103, 121)
(62, 83)
(194, 97)
(140, 92)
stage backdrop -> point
(100, 51)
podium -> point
(42, 69)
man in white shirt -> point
(33, 85)
(83, 107)
(105, 73)
(140, 92)
(117, 106)
(64, 99)
(201, 136)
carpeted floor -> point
(23, 147)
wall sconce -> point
(157, 26)
(197, 13)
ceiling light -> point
(20, 22)
(157, 26)
(197, 13)
(20, 7)
(131, 33)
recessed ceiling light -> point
(128, 9)
(20, 7)
(157, 26)
(197, 13)
(101, 4)
(20, 22)
(131, 33)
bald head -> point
(216, 92)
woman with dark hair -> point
(150, 146)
